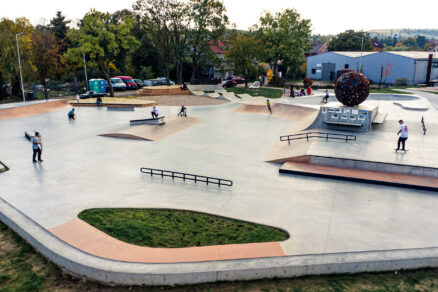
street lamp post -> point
(361, 50)
(19, 65)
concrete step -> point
(363, 176)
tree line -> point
(171, 38)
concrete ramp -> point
(154, 132)
(279, 110)
(32, 109)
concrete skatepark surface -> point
(82, 170)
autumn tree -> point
(285, 38)
(101, 40)
(45, 56)
(242, 51)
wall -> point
(330, 57)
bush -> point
(401, 81)
(307, 81)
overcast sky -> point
(327, 17)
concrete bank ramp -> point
(154, 132)
(32, 109)
(279, 110)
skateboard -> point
(397, 150)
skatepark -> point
(339, 219)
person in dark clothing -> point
(292, 92)
(183, 112)
(99, 101)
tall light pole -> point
(361, 50)
(19, 65)
(85, 70)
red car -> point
(228, 83)
(130, 83)
(238, 80)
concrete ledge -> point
(120, 109)
(93, 104)
(153, 121)
(374, 165)
(78, 263)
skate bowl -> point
(32, 109)
(154, 132)
(279, 110)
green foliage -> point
(177, 228)
(146, 72)
(284, 36)
(262, 91)
(101, 38)
(350, 40)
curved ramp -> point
(32, 109)
(279, 110)
(155, 132)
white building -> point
(387, 66)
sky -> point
(327, 17)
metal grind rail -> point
(424, 125)
(326, 136)
(187, 176)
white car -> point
(118, 84)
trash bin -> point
(29, 95)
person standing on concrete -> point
(36, 147)
(309, 90)
(155, 112)
(268, 104)
(292, 92)
(182, 112)
(403, 132)
(326, 97)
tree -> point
(285, 38)
(45, 56)
(421, 41)
(242, 51)
(59, 27)
(101, 40)
(350, 40)
(208, 26)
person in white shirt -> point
(155, 112)
(403, 132)
(36, 146)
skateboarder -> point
(183, 112)
(155, 112)
(99, 101)
(71, 114)
(37, 147)
(403, 132)
(268, 104)
(292, 92)
(326, 97)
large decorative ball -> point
(352, 88)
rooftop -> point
(355, 54)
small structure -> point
(153, 121)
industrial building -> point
(385, 67)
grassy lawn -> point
(265, 92)
(22, 269)
(175, 228)
(388, 90)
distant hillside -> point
(404, 33)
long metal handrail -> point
(326, 136)
(424, 125)
(187, 176)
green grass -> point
(177, 228)
(434, 92)
(263, 91)
(22, 269)
(388, 90)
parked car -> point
(139, 83)
(91, 94)
(228, 83)
(161, 81)
(118, 84)
(148, 83)
(130, 83)
(238, 80)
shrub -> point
(401, 81)
(308, 82)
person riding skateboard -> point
(36, 147)
(183, 112)
(268, 104)
(155, 112)
(403, 132)
(71, 114)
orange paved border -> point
(85, 237)
(32, 109)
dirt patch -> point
(188, 100)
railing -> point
(187, 176)
(424, 125)
(321, 135)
